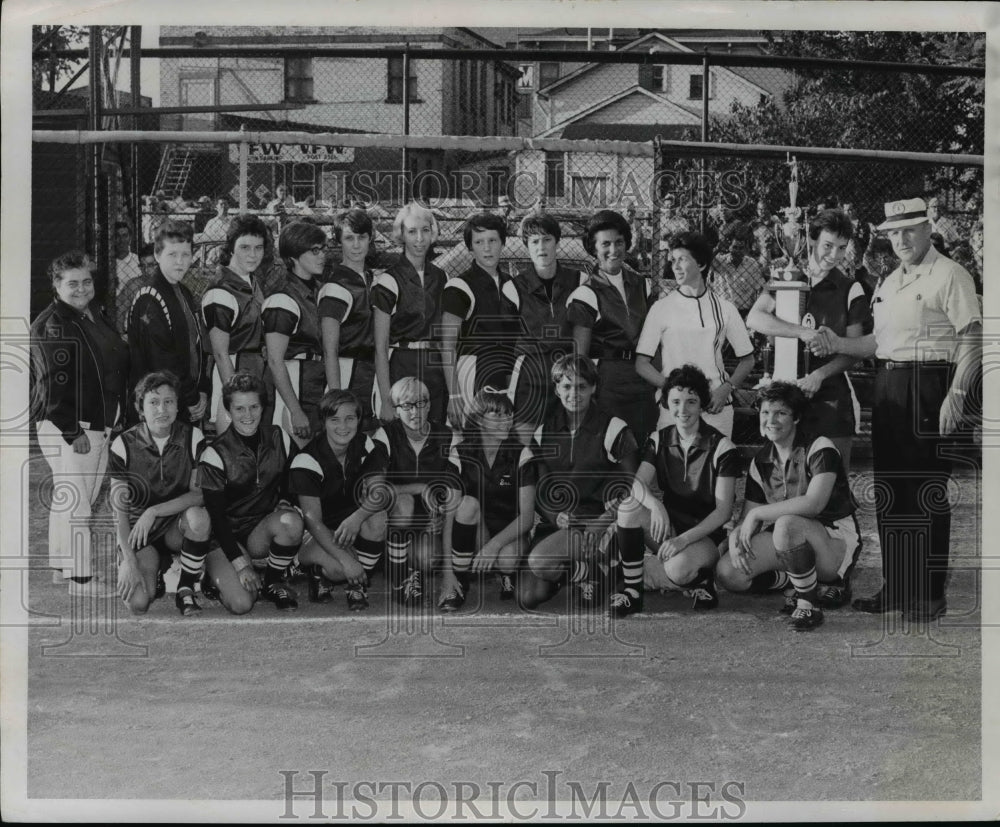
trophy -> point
(788, 284)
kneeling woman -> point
(242, 480)
(587, 461)
(799, 517)
(156, 505)
(347, 528)
(696, 468)
(418, 468)
(498, 506)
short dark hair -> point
(358, 220)
(241, 225)
(579, 366)
(243, 382)
(332, 400)
(687, 377)
(297, 238)
(539, 223)
(146, 250)
(72, 260)
(482, 222)
(787, 393)
(173, 230)
(606, 220)
(836, 221)
(152, 381)
(697, 244)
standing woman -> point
(231, 309)
(407, 302)
(345, 314)
(80, 366)
(292, 335)
(607, 314)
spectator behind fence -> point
(78, 368)
(203, 214)
(127, 269)
(126, 294)
(942, 223)
(736, 276)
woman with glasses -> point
(292, 332)
(345, 314)
(418, 461)
(407, 305)
(231, 309)
(497, 509)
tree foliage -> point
(49, 70)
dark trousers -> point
(911, 479)
(625, 394)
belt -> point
(894, 364)
(306, 356)
(625, 355)
(420, 344)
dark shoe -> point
(357, 599)
(281, 597)
(877, 604)
(209, 590)
(833, 595)
(926, 611)
(506, 587)
(452, 600)
(185, 602)
(410, 592)
(703, 591)
(806, 619)
(624, 603)
(791, 603)
(320, 589)
(161, 585)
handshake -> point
(821, 341)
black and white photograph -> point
(443, 413)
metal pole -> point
(98, 224)
(244, 161)
(406, 122)
(135, 56)
(704, 131)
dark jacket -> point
(69, 377)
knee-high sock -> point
(632, 548)
(463, 548)
(193, 554)
(801, 562)
(369, 552)
(398, 548)
(278, 561)
(769, 581)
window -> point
(661, 78)
(555, 174)
(394, 86)
(299, 79)
(527, 76)
(547, 73)
(696, 86)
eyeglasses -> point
(409, 406)
(317, 250)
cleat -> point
(452, 600)
(806, 618)
(624, 603)
(506, 587)
(320, 588)
(281, 597)
(185, 602)
(410, 592)
(92, 588)
(702, 592)
(833, 595)
(791, 603)
(357, 599)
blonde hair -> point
(408, 389)
(419, 212)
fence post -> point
(406, 122)
(705, 68)
(135, 44)
(244, 179)
(655, 267)
(98, 223)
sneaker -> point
(452, 600)
(791, 603)
(281, 597)
(703, 592)
(833, 595)
(209, 590)
(410, 592)
(357, 599)
(806, 618)
(624, 603)
(185, 602)
(320, 588)
(506, 587)
(92, 588)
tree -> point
(47, 39)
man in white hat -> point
(928, 356)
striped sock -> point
(801, 561)
(278, 561)
(398, 548)
(769, 581)
(463, 548)
(632, 548)
(370, 552)
(193, 554)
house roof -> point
(632, 90)
(639, 132)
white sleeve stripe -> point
(856, 292)
(586, 296)
(510, 292)
(307, 462)
(217, 295)
(380, 437)
(338, 292)
(286, 438)
(369, 445)
(281, 301)
(197, 438)
(655, 439)
(389, 283)
(755, 474)
(119, 450)
(819, 444)
(463, 285)
(614, 429)
(526, 457)
(538, 434)
(211, 457)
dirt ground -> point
(216, 707)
